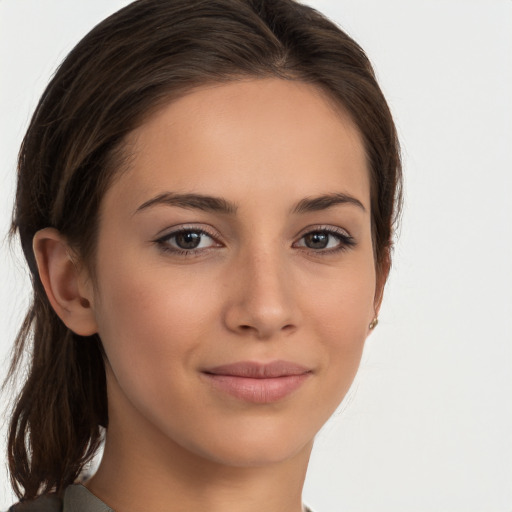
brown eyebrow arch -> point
(191, 201)
(323, 202)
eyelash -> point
(345, 241)
(163, 242)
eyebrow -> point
(193, 202)
(220, 205)
(323, 202)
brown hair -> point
(128, 65)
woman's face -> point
(235, 277)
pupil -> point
(188, 240)
(317, 240)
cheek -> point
(147, 317)
(152, 327)
(342, 313)
(344, 304)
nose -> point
(260, 300)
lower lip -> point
(258, 391)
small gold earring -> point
(373, 323)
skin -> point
(252, 291)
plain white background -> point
(427, 426)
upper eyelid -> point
(324, 227)
(169, 232)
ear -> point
(382, 276)
(68, 288)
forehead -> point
(246, 137)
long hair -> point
(143, 56)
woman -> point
(206, 200)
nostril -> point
(245, 328)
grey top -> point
(77, 498)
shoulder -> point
(77, 498)
(46, 503)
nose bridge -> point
(262, 300)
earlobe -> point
(382, 276)
(64, 283)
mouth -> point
(258, 383)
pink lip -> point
(258, 383)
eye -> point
(326, 240)
(187, 240)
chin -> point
(255, 444)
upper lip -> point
(256, 370)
